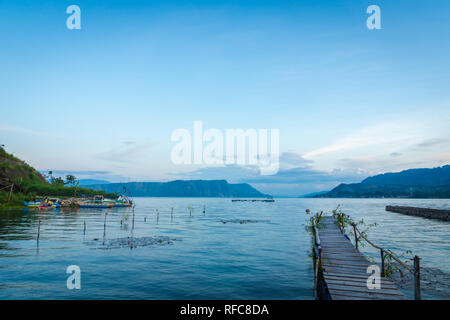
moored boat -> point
(42, 204)
(94, 205)
(100, 202)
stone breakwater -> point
(421, 212)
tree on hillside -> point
(70, 179)
(57, 181)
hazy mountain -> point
(412, 183)
(88, 182)
(313, 194)
(182, 188)
(16, 171)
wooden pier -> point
(343, 269)
(421, 212)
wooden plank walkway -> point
(344, 268)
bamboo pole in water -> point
(39, 230)
(104, 226)
(417, 295)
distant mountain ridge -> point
(313, 194)
(412, 183)
(182, 188)
(88, 182)
(439, 176)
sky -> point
(102, 102)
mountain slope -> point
(14, 170)
(412, 183)
(182, 188)
(419, 177)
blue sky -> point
(103, 101)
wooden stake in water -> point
(104, 226)
(39, 230)
(84, 230)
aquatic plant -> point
(343, 220)
(313, 220)
(131, 242)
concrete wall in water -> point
(421, 212)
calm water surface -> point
(203, 256)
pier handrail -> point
(389, 253)
(415, 270)
(318, 255)
(317, 237)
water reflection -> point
(260, 252)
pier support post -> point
(39, 230)
(382, 263)
(417, 295)
(356, 236)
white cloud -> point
(400, 133)
(17, 129)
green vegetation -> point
(184, 188)
(27, 183)
(314, 220)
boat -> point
(100, 202)
(42, 204)
(94, 205)
(33, 204)
(121, 202)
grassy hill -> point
(14, 170)
(27, 183)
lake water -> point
(236, 250)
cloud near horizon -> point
(295, 177)
(384, 133)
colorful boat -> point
(40, 204)
(94, 205)
(100, 202)
(119, 203)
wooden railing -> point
(317, 257)
(415, 270)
